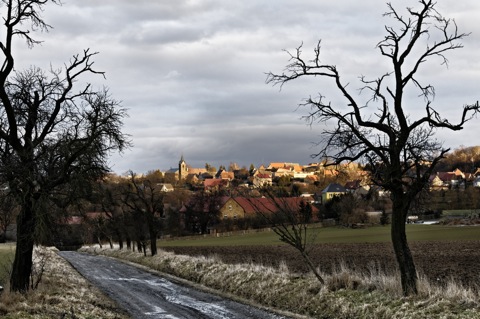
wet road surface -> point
(145, 295)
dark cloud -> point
(192, 72)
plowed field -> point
(439, 261)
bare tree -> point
(108, 196)
(401, 151)
(289, 218)
(50, 135)
(144, 199)
(203, 211)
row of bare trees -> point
(130, 211)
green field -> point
(415, 232)
(7, 253)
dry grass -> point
(62, 293)
(7, 253)
(346, 294)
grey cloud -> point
(192, 73)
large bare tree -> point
(399, 147)
(51, 135)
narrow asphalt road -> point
(145, 295)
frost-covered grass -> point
(62, 293)
(346, 294)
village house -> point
(242, 207)
(332, 190)
(262, 179)
(289, 166)
(447, 180)
(283, 171)
(223, 174)
(165, 187)
(352, 186)
(215, 184)
(239, 208)
(436, 183)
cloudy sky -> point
(192, 72)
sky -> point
(191, 73)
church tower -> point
(182, 169)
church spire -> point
(182, 169)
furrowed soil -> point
(438, 261)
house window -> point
(230, 207)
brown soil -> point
(439, 261)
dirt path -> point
(145, 295)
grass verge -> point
(346, 294)
(7, 253)
(62, 293)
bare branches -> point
(355, 131)
(289, 218)
(434, 119)
(297, 67)
(52, 137)
(398, 47)
(21, 12)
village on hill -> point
(209, 200)
(304, 180)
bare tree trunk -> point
(120, 239)
(22, 264)
(144, 247)
(153, 240)
(408, 272)
(312, 267)
(129, 243)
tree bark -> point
(99, 242)
(129, 243)
(153, 242)
(144, 248)
(408, 272)
(22, 264)
(310, 265)
(120, 240)
(152, 229)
